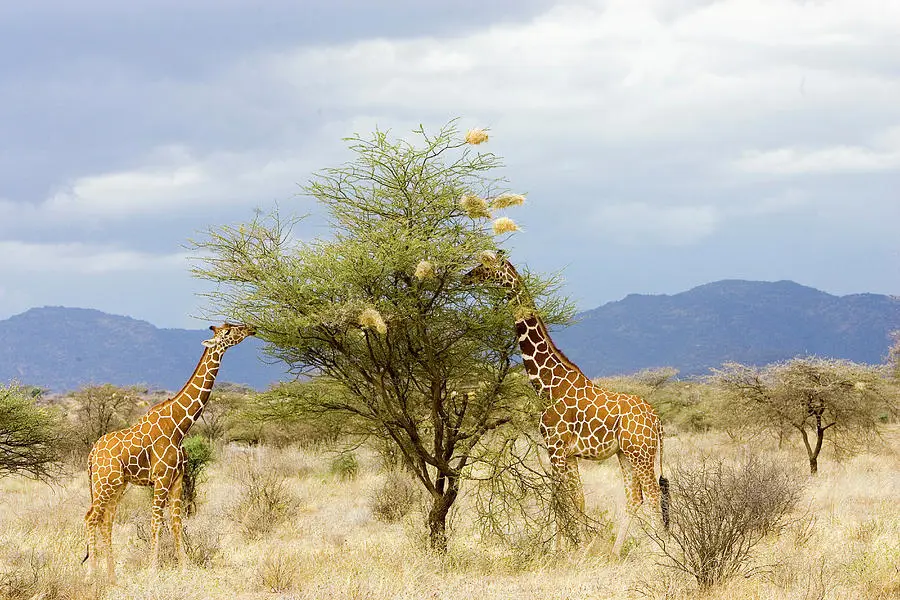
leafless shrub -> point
(202, 545)
(34, 574)
(522, 503)
(264, 500)
(719, 512)
(396, 497)
(278, 572)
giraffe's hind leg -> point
(174, 502)
(158, 516)
(633, 499)
(93, 521)
(108, 519)
(650, 488)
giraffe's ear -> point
(209, 343)
(212, 327)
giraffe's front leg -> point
(175, 507)
(160, 494)
(573, 483)
(568, 496)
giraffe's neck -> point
(187, 405)
(551, 373)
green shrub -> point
(345, 466)
(199, 454)
(30, 435)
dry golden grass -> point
(333, 547)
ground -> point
(332, 546)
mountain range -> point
(746, 321)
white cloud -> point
(638, 223)
(85, 259)
(180, 183)
(883, 155)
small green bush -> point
(198, 455)
(345, 466)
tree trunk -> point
(812, 453)
(437, 520)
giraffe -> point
(582, 420)
(150, 454)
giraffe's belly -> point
(137, 468)
(596, 448)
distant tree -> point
(379, 306)
(894, 355)
(219, 414)
(838, 401)
(30, 435)
(99, 409)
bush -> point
(264, 500)
(345, 466)
(199, 454)
(278, 572)
(100, 409)
(396, 497)
(719, 512)
(30, 435)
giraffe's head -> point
(228, 335)
(494, 269)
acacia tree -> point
(30, 435)
(379, 306)
(821, 399)
(99, 409)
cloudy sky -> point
(662, 143)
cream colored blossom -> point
(523, 312)
(424, 270)
(487, 257)
(372, 319)
(475, 206)
(507, 200)
(504, 225)
(476, 136)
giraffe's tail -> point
(665, 498)
(87, 517)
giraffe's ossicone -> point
(150, 453)
(581, 419)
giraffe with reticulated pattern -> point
(583, 420)
(150, 454)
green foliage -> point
(198, 456)
(345, 466)
(279, 416)
(30, 435)
(380, 308)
